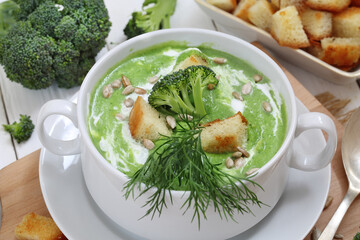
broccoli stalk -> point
(155, 15)
(181, 91)
(22, 130)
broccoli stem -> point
(197, 95)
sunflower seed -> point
(267, 107)
(219, 60)
(140, 91)
(237, 96)
(107, 91)
(251, 171)
(237, 154)
(257, 78)
(246, 89)
(153, 79)
(211, 86)
(328, 202)
(129, 89)
(243, 151)
(338, 236)
(185, 117)
(171, 121)
(148, 144)
(239, 163)
(116, 83)
(120, 117)
(229, 163)
(128, 102)
(125, 81)
(315, 234)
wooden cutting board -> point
(20, 188)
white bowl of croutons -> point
(187, 134)
(323, 37)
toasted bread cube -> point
(315, 49)
(299, 4)
(36, 227)
(341, 52)
(226, 5)
(242, 8)
(220, 136)
(276, 4)
(328, 5)
(145, 122)
(355, 3)
(347, 23)
(193, 60)
(260, 14)
(317, 24)
(287, 28)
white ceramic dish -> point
(78, 216)
(105, 183)
(249, 32)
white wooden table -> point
(16, 100)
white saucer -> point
(79, 218)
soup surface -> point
(111, 135)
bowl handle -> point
(57, 146)
(312, 162)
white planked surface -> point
(19, 100)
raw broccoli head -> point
(155, 15)
(181, 91)
(22, 130)
(55, 41)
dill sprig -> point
(179, 162)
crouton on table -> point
(36, 227)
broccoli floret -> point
(55, 41)
(357, 236)
(155, 15)
(181, 91)
(22, 130)
(45, 18)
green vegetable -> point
(8, 11)
(21, 130)
(181, 91)
(155, 15)
(357, 236)
(179, 162)
(53, 41)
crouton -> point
(347, 23)
(36, 227)
(328, 5)
(276, 4)
(341, 52)
(260, 14)
(315, 49)
(220, 136)
(355, 3)
(299, 4)
(287, 29)
(192, 60)
(317, 24)
(145, 122)
(242, 8)
(226, 5)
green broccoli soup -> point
(236, 87)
